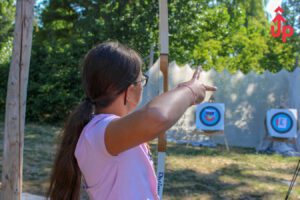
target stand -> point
(281, 126)
(210, 120)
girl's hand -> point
(197, 87)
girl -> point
(104, 139)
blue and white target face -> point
(210, 116)
(282, 123)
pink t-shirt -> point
(128, 176)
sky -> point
(272, 5)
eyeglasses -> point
(144, 81)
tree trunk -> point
(16, 102)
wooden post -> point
(164, 52)
(16, 102)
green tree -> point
(67, 30)
(292, 15)
(233, 36)
(7, 14)
(221, 34)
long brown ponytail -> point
(65, 165)
(108, 69)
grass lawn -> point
(191, 172)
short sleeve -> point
(95, 134)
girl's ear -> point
(130, 91)
(131, 88)
(127, 93)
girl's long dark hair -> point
(108, 69)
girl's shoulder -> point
(92, 135)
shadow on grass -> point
(188, 183)
(234, 181)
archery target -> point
(282, 123)
(210, 116)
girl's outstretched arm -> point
(157, 116)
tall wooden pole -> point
(16, 102)
(164, 52)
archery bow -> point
(164, 51)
